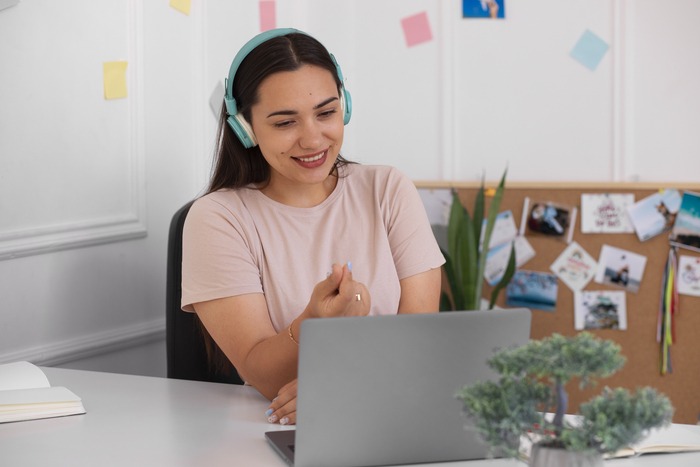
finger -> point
(289, 419)
(285, 414)
(333, 280)
(347, 270)
(362, 300)
(347, 286)
(284, 395)
(353, 293)
(283, 405)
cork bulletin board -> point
(638, 341)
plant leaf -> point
(454, 228)
(490, 221)
(445, 302)
(452, 284)
(478, 211)
(469, 256)
(507, 276)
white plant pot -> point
(542, 456)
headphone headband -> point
(235, 120)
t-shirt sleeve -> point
(218, 254)
(413, 244)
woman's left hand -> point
(283, 408)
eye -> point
(283, 123)
(327, 113)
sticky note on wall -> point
(114, 79)
(183, 6)
(268, 17)
(589, 50)
(416, 29)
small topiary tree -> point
(532, 383)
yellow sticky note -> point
(181, 6)
(114, 76)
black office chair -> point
(185, 339)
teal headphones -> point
(235, 120)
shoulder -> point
(229, 206)
(378, 175)
(387, 187)
(374, 170)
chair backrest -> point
(185, 347)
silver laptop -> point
(381, 390)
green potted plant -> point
(528, 402)
(466, 252)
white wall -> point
(88, 186)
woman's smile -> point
(312, 161)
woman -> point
(289, 230)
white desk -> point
(143, 421)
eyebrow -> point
(294, 112)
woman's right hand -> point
(339, 295)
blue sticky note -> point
(589, 50)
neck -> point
(300, 196)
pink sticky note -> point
(416, 28)
(267, 15)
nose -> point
(311, 135)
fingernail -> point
(268, 412)
(272, 419)
(350, 266)
(284, 421)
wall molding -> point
(109, 229)
(54, 238)
(446, 21)
(622, 159)
(91, 345)
(202, 93)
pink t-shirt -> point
(240, 241)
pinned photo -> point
(532, 289)
(575, 267)
(497, 259)
(620, 267)
(437, 202)
(689, 275)
(600, 309)
(606, 212)
(548, 218)
(491, 9)
(504, 229)
(654, 214)
(686, 227)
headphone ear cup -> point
(346, 105)
(243, 130)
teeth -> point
(311, 159)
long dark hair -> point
(234, 165)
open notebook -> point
(381, 390)
(25, 394)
